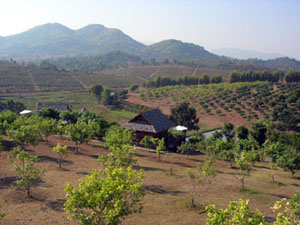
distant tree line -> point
(13, 106)
(251, 76)
(183, 80)
(292, 76)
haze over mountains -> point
(54, 40)
(245, 54)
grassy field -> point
(76, 99)
(167, 198)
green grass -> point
(76, 99)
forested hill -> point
(57, 40)
(178, 50)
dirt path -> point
(83, 84)
(195, 71)
(141, 78)
(36, 87)
(154, 73)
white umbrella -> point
(180, 128)
(25, 112)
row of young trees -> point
(251, 76)
(244, 147)
(183, 80)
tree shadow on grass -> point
(140, 155)
(82, 173)
(279, 195)
(252, 192)
(8, 145)
(159, 190)
(296, 185)
(7, 182)
(182, 164)
(261, 167)
(94, 156)
(45, 158)
(145, 168)
(56, 205)
(270, 219)
(197, 160)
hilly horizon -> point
(54, 40)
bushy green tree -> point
(103, 124)
(133, 87)
(228, 131)
(237, 213)
(105, 197)
(48, 113)
(288, 211)
(79, 133)
(71, 117)
(119, 156)
(62, 153)
(27, 134)
(185, 115)
(259, 132)
(106, 98)
(117, 137)
(96, 90)
(6, 119)
(242, 132)
(48, 127)
(24, 165)
(289, 160)
(274, 150)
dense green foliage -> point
(238, 213)
(185, 115)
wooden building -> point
(150, 123)
(58, 106)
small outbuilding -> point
(150, 123)
(58, 106)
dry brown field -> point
(167, 196)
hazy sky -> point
(263, 25)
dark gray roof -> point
(59, 106)
(153, 121)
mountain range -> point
(54, 40)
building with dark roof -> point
(58, 106)
(150, 123)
